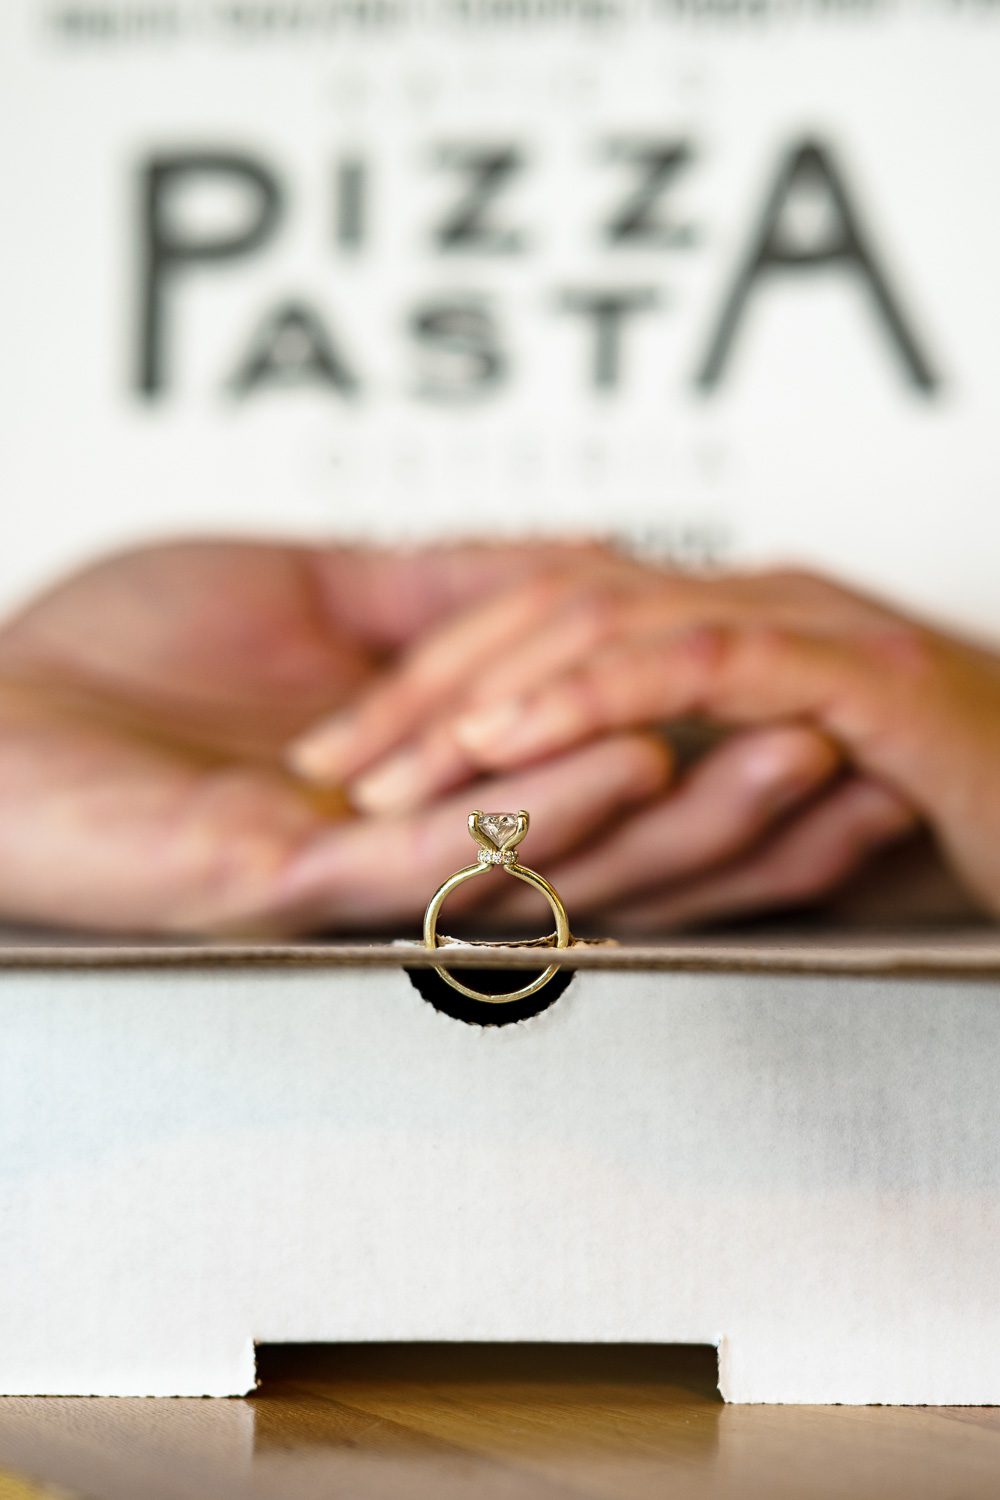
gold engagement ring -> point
(498, 835)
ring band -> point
(498, 835)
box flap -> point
(952, 951)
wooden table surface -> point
(384, 1423)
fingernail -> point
(391, 786)
(477, 729)
(519, 727)
(780, 783)
(315, 754)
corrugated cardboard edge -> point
(969, 953)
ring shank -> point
(530, 877)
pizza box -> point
(784, 1145)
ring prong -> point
(512, 841)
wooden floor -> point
(487, 1424)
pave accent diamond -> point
(497, 856)
(498, 826)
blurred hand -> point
(914, 714)
(144, 706)
(239, 644)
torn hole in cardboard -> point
(450, 1002)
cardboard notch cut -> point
(647, 1370)
(493, 982)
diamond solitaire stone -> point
(498, 826)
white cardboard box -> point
(788, 1149)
